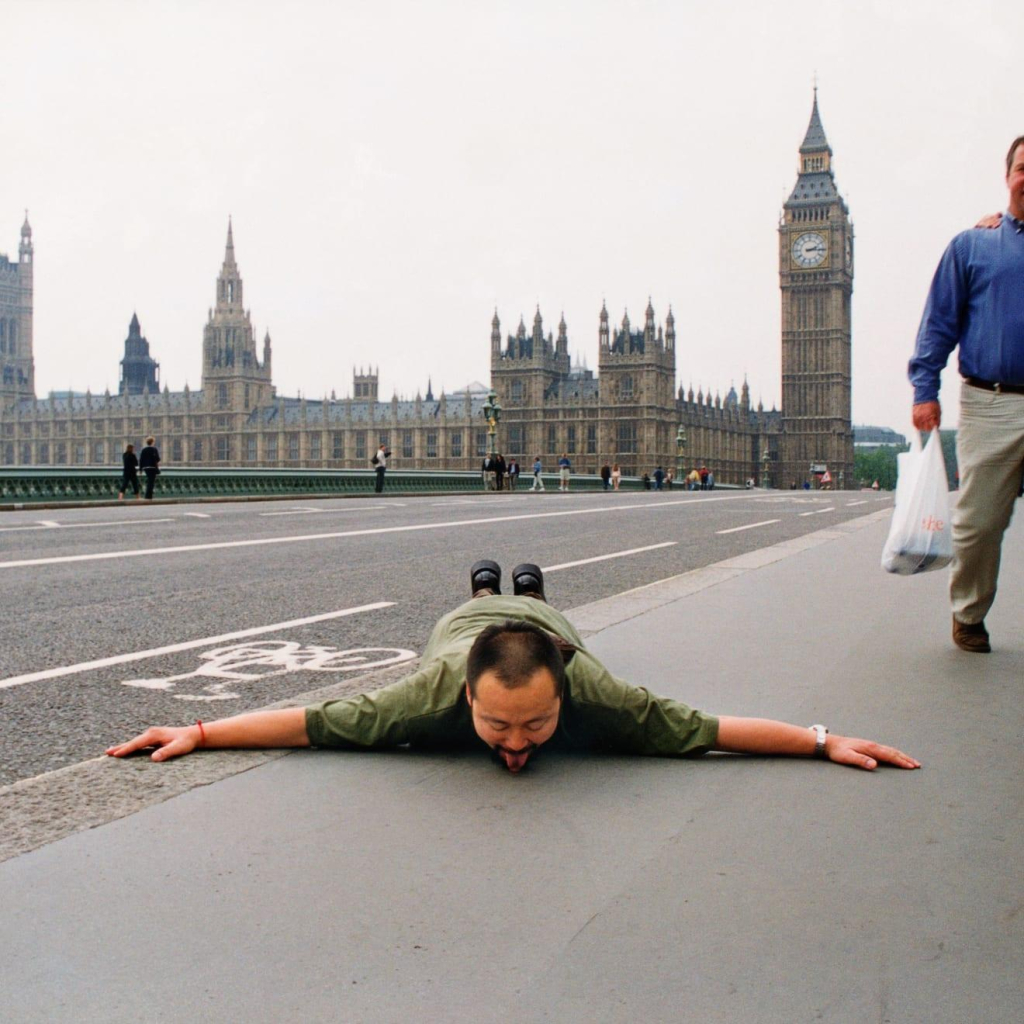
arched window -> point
(517, 391)
(626, 388)
(222, 396)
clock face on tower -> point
(809, 250)
(849, 253)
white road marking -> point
(749, 526)
(376, 531)
(50, 525)
(327, 511)
(850, 504)
(188, 645)
(818, 511)
(292, 512)
(604, 558)
(197, 515)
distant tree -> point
(879, 465)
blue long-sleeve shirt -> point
(976, 301)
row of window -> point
(220, 447)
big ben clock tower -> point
(816, 279)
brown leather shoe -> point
(972, 638)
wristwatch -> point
(820, 732)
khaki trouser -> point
(990, 453)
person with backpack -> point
(130, 473)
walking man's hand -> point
(927, 415)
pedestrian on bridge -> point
(130, 472)
(538, 468)
(510, 674)
(149, 463)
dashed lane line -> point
(197, 515)
(749, 526)
(370, 532)
(188, 645)
(604, 558)
(328, 511)
(850, 504)
(50, 524)
(818, 511)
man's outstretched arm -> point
(763, 736)
(285, 727)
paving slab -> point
(331, 886)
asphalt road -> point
(85, 590)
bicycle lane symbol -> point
(240, 663)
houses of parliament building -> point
(628, 412)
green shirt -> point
(429, 707)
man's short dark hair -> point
(1013, 149)
(513, 651)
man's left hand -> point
(865, 754)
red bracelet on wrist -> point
(202, 733)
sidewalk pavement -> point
(327, 886)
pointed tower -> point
(670, 330)
(140, 372)
(17, 365)
(603, 338)
(495, 335)
(234, 380)
(816, 279)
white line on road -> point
(197, 515)
(850, 504)
(51, 525)
(328, 511)
(188, 645)
(604, 558)
(749, 526)
(818, 511)
(376, 531)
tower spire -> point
(814, 139)
(229, 249)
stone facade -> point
(17, 371)
(629, 412)
(816, 278)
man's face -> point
(514, 723)
(1015, 183)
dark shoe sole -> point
(485, 575)
(528, 580)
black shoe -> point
(528, 580)
(485, 575)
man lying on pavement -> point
(512, 673)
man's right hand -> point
(927, 415)
(169, 743)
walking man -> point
(538, 484)
(149, 463)
(606, 475)
(380, 462)
(976, 302)
(564, 469)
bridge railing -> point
(29, 484)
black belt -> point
(988, 385)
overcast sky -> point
(396, 171)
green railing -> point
(32, 484)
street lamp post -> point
(765, 459)
(492, 413)
(680, 454)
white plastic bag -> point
(920, 537)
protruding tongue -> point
(515, 762)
